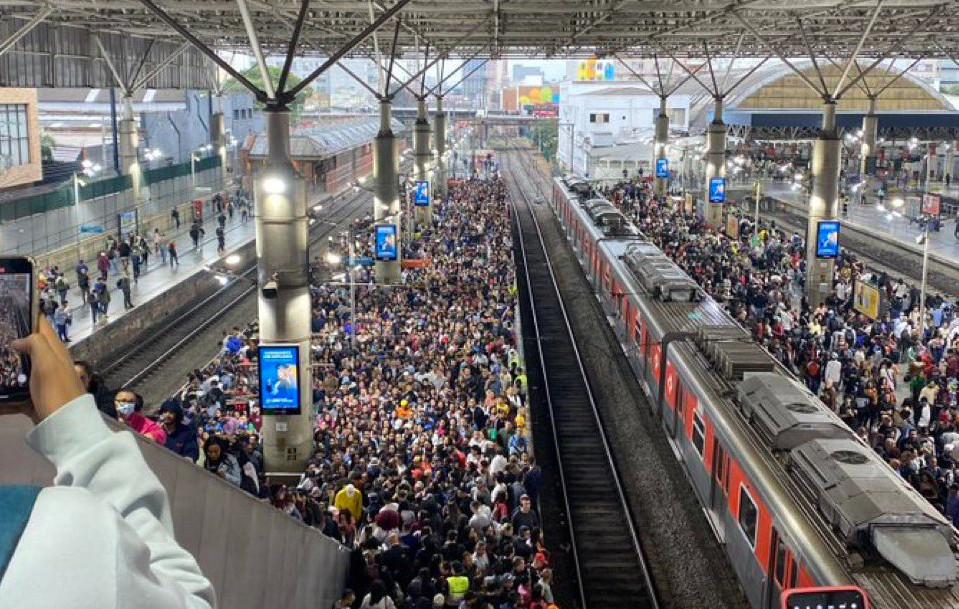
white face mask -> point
(125, 408)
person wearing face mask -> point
(129, 407)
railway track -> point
(152, 355)
(609, 561)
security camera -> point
(270, 289)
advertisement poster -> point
(127, 223)
(866, 299)
(662, 168)
(827, 239)
(386, 242)
(279, 371)
(421, 193)
(931, 204)
(717, 190)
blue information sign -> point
(279, 374)
(717, 190)
(386, 242)
(827, 239)
(421, 193)
(662, 168)
(94, 229)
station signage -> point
(867, 299)
(827, 239)
(717, 190)
(386, 242)
(662, 168)
(421, 193)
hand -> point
(53, 381)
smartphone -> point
(18, 314)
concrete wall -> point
(255, 555)
(32, 171)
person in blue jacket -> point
(180, 437)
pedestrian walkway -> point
(943, 245)
(158, 277)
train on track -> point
(794, 496)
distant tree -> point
(47, 146)
(254, 76)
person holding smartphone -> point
(104, 528)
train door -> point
(783, 572)
(717, 500)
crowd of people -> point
(423, 459)
(120, 264)
(894, 380)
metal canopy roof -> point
(545, 28)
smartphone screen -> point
(16, 321)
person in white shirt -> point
(102, 535)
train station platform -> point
(158, 277)
(867, 218)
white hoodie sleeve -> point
(102, 536)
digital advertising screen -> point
(386, 242)
(827, 239)
(717, 190)
(279, 374)
(662, 168)
(421, 193)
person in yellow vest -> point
(351, 499)
(458, 585)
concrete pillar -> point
(867, 150)
(129, 141)
(386, 197)
(218, 141)
(715, 163)
(439, 139)
(932, 164)
(659, 149)
(282, 245)
(422, 155)
(823, 205)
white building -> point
(594, 116)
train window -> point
(793, 574)
(748, 515)
(699, 432)
(719, 460)
(780, 560)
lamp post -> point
(923, 239)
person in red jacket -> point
(129, 406)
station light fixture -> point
(317, 207)
(233, 259)
(334, 258)
(87, 163)
(274, 185)
(897, 202)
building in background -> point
(521, 72)
(20, 156)
(496, 81)
(473, 88)
(598, 115)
